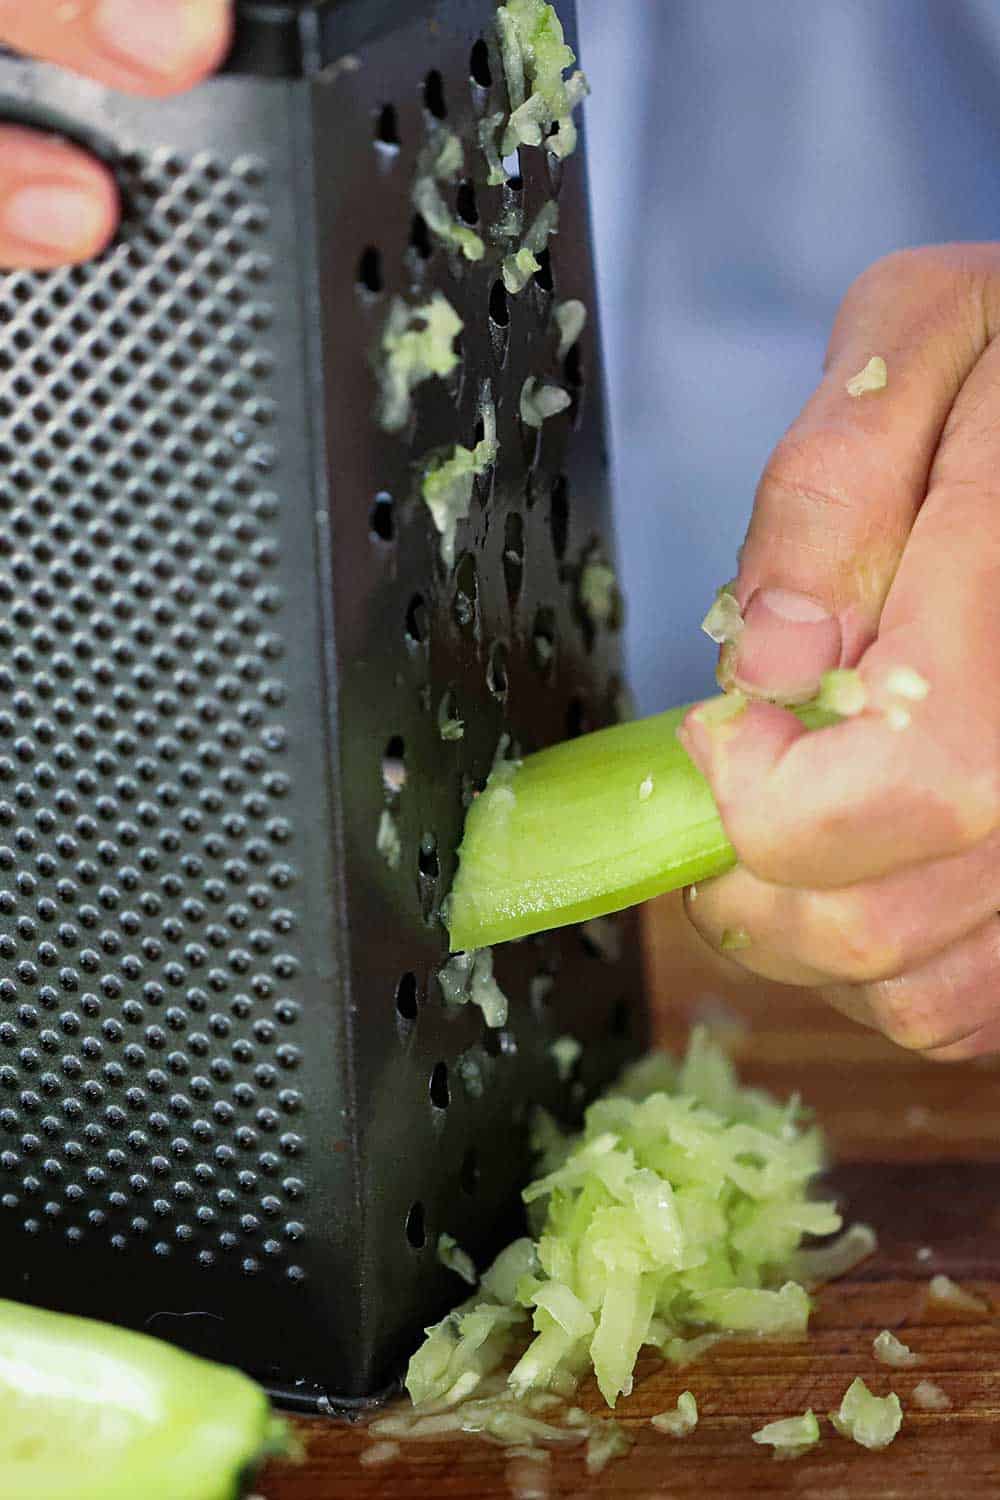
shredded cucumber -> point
(790, 1437)
(417, 343)
(535, 57)
(889, 1350)
(682, 1420)
(872, 1421)
(676, 1210)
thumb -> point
(839, 496)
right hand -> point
(58, 206)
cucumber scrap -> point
(871, 1421)
(93, 1412)
(588, 827)
(677, 1210)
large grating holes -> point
(394, 766)
(406, 997)
(577, 718)
(418, 627)
(440, 1089)
(434, 100)
(421, 243)
(479, 65)
(513, 556)
(428, 863)
(543, 276)
(465, 606)
(387, 130)
(383, 517)
(543, 639)
(465, 203)
(416, 1229)
(497, 679)
(370, 270)
(559, 516)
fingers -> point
(945, 1008)
(836, 503)
(858, 935)
(58, 205)
(916, 775)
(154, 47)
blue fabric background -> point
(748, 159)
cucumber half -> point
(586, 828)
(93, 1412)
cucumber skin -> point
(211, 1433)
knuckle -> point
(802, 474)
(851, 938)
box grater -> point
(234, 1107)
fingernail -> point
(158, 36)
(788, 641)
(55, 216)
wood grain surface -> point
(918, 1149)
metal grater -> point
(234, 1108)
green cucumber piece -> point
(586, 828)
(93, 1412)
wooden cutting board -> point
(918, 1147)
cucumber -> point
(93, 1412)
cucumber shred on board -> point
(678, 1209)
(93, 1412)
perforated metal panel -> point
(233, 1106)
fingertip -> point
(167, 46)
(57, 206)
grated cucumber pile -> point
(678, 1210)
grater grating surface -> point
(233, 1106)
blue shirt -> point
(748, 159)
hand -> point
(870, 851)
(57, 205)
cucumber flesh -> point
(93, 1412)
(586, 828)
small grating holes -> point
(434, 100)
(420, 238)
(406, 997)
(479, 65)
(383, 518)
(440, 1090)
(370, 270)
(465, 203)
(513, 556)
(416, 1232)
(496, 672)
(559, 516)
(418, 627)
(394, 766)
(469, 1174)
(387, 129)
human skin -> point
(58, 206)
(870, 851)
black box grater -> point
(234, 1108)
